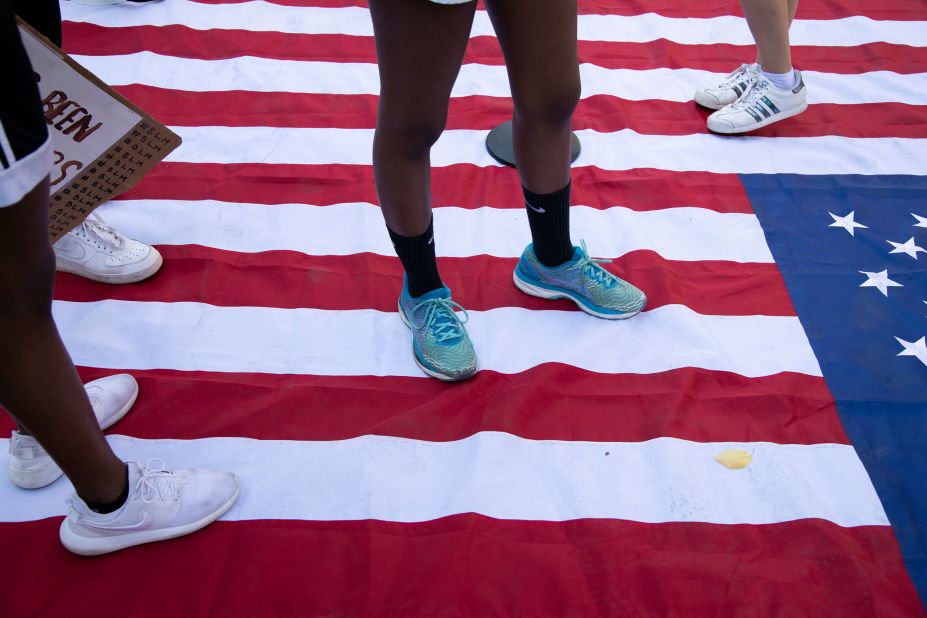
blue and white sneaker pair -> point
(440, 343)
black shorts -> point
(25, 148)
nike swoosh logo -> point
(73, 250)
(540, 210)
(143, 524)
(431, 240)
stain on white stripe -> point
(254, 74)
(686, 233)
(199, 337)
(269, 17)
(618, 150)
(506, 477)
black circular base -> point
(499, 145)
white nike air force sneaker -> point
(111, 397)
(760, 106)
(96, 251)
(162, 504)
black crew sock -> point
(549, 218)
(417, 254)
(110, 507)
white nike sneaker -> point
(762, 105)
(111, 397)
(96, 251)
(162, 504)
(717, 95)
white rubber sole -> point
(540, 292)
(135, 277)
(433, 374)
(759, 125)
(89, 546)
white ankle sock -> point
(782, 81)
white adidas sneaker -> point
(96, 251)
(162, 504)
(731, 87)
(762, 105)
(111, 397)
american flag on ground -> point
(578, 474)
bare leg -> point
(769, 22)
(38, 383)
(538, 40)
(420, 46)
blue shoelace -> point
(590, 268)
(442, 319)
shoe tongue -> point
(577, 254)
(438, 293)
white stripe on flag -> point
(506, 477)
(254, 74)
(675, 233)
(199, 337)
(619, 150)
(269, 17)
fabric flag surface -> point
(582, 471)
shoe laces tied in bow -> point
(736, 76)
(96, 227)
(752, 95)
(441, 318)
(590, 268)
(155, 483)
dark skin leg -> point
(38, 384)
(420, 46)
(538, 40)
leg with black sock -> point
(549, 219)
(539, 44)
(538, 41)
(417, 254)
(420, 46)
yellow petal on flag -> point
(734, 459)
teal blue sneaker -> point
(582, 280)
(440, 343)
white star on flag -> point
(906, 247)
(846, 222)
(921, 221)
(917, 349)
(879, 281)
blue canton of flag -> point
(853, 252)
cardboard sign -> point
(102, 143)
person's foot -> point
(162, 504)
(731, 87)
(762, 105)
(440, 343)
(582, 280)
(111, 397)
(96, 251)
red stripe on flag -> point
(469, 565)
(182, 41)
(288, 279)
(601, 113)
(547, 402)
(808, 9)
(465, 186)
